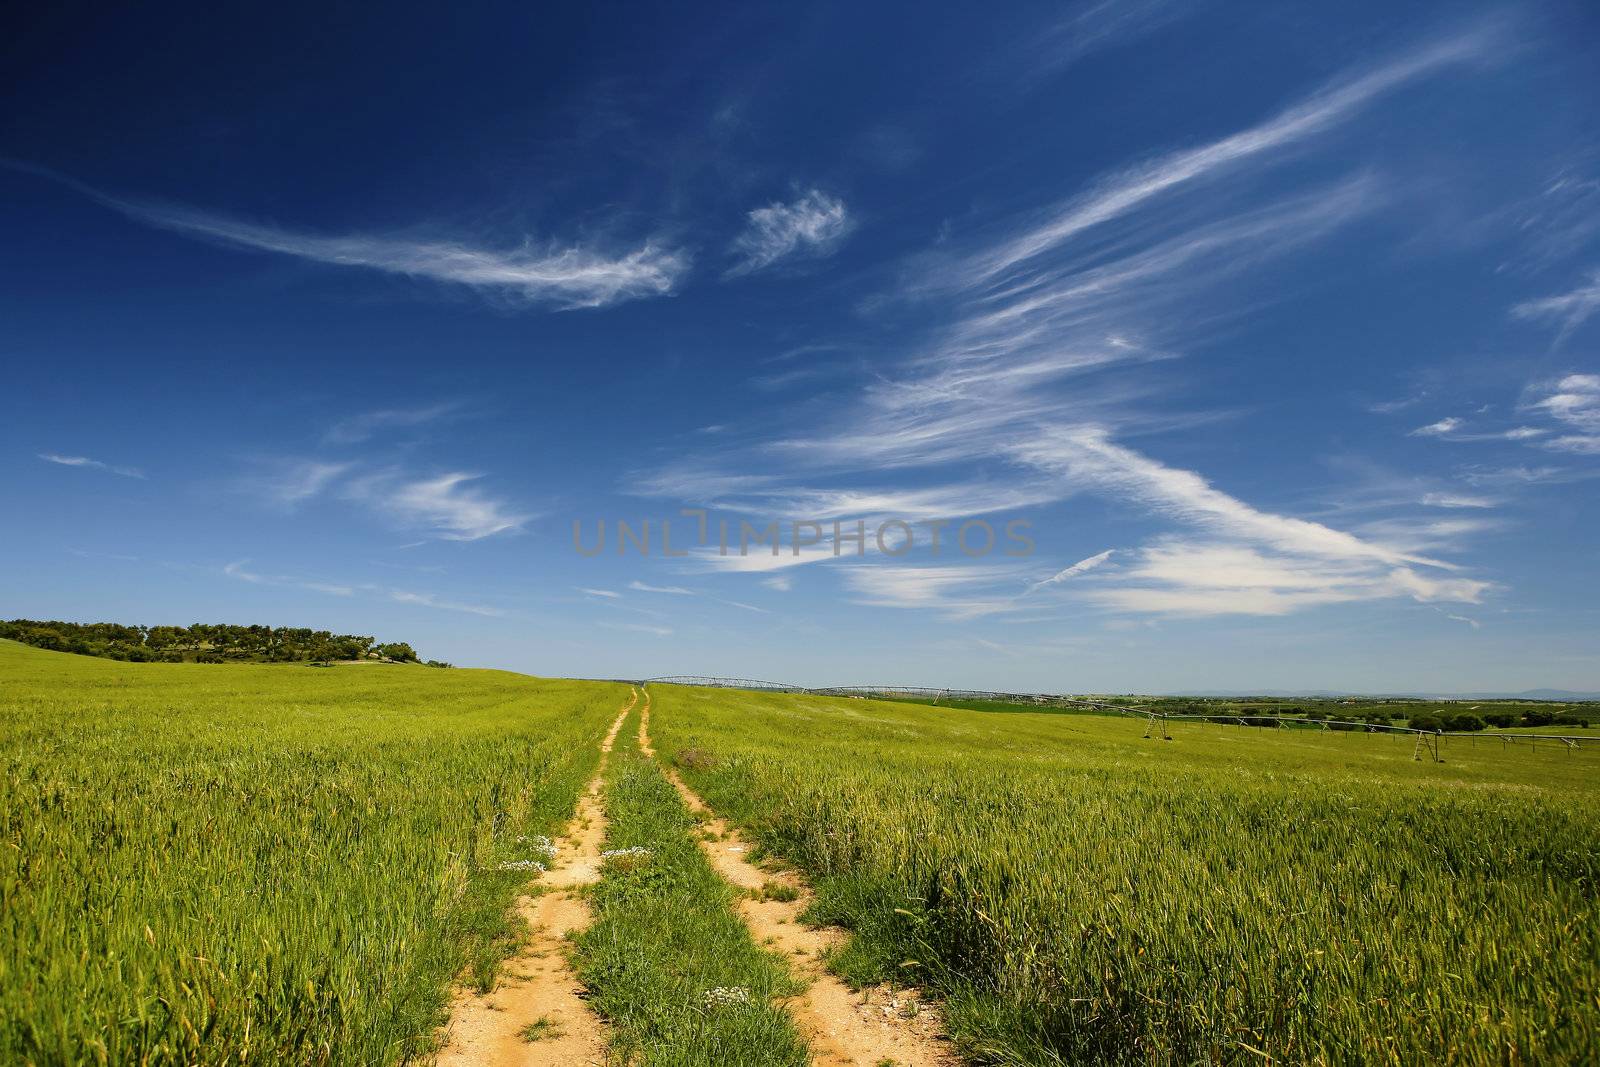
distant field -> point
(1399, 710)
(1081, 894)
(264, 864)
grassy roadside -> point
(669, 961)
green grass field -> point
(232, 864)
(264, 864)
(1079, 893)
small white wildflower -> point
(540, 843)
(636, 850)
(521, 865)
(724, 996)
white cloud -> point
(1087, 28)
(1389, 407)
(428, 600)
(674, 590)
(1086, 455)
(572, 276)
(1456, 500)
(1438, 429)
(238, 570)
(1427, 588)
(1176, 577)
(782, 583)
(447, 504)
(678, 590)
(956, 591)
(1311, 116)
(289, 483)
(606, 593)
(362, 427)
(1083, 566)
(760, 560)
(1570, 310)
(639, 627)
(91, 464)
(1205, 602)
(1451, 429)
(1575, 401)
(1578, 444)
(1028, 374)
(813, 226)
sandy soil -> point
(538, 984)
(845, 1028)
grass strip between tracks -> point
(668, 960)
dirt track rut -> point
(537, 987)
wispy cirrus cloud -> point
(1441, 428)
(1088, 455)
(679, 590)
(1456, 500)
(1183, 577)
(289, 482)
(1045, 319)
(1571, 406)
(638, 627)
(671, 590)
(958, 591)
(239, 569)
(811, 226)
(90, 464)
(1083, 566)
(428, 600)
(448, 505)
(1452, 428)
(1315, 114)
(1087, 28)
(1568, 310)
(369, 424)
(1574, 402)
(526, 271)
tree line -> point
(205, 643)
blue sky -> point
(1279, 327)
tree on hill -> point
(200, 642)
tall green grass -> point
(1081, 894)
(670, 964)
(265, 864)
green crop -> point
(266, 864)
(1079, 893)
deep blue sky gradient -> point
(1279, 326)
